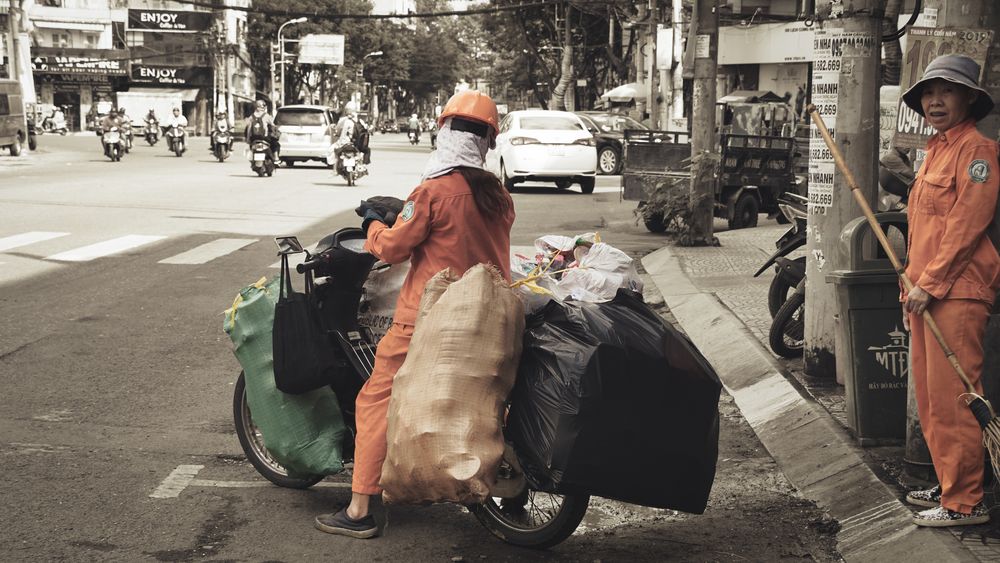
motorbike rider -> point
(108, 122)
(260, 126)
(459, 216)
(413, 126)
(343, 135)
(178, 120)
(222, 125)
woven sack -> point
(444, 434)
(304, 433)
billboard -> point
(319, 49)
(168, 21)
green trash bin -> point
(872, 349)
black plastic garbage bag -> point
(612, 401)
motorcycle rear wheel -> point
(252, 443)
(787, 334)
(545, 520)
(777, 293)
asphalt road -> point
(116, 372)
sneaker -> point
(929, 498)
(341, 524)
(941, 517)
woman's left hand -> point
(917, 300)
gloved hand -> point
(368, 214)
(387, 207)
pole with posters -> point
(706, 49)
(845, 89)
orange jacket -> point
(440, 227)
(951, 204)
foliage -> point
(668, 202)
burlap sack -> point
(444, 437)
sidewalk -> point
(715, 299)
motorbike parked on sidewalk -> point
(787, 272)
(222, 142)
(152, 132)
(176, 140)
(113, 144)
(260, 157)
(350, 165)
(524, 517)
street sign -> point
(168, 21)
(325, 49)
(924, 44)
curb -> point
(814, 453)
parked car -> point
(608, 130)
(302, 131)
(13, 126)
(544, 146)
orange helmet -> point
(474, 105)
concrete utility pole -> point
(856, 134)
(706, 51)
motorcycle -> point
(127, 136)
(113, 144)
(414, 137)
(51, 125)
(523, 517)
(788, 272)
(350, 166)
(152, 132)
(175, 139)
(222, 143)
(260, 157)
(787, 334)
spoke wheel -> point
(608, 160)
(252, 442)
(787, 334)
(534, 519)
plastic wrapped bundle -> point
(612, 401)
(444, 434)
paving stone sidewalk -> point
(727, 272)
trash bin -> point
(872, 349)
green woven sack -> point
(304, 433)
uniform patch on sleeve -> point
(407, 212)
(979, 171)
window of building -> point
(134, 38)
(91, 40)
(63, 40)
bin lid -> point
(860, 247)
(864, 277)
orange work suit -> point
(439, 227)
(950, 257)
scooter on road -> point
(176, 140)
(260, 157)
(113, 144)
(340, 266)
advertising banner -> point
(168, 21)
(171, 76)
(923, 45)
(322, 49)
(105, 62)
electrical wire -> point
(337, 17)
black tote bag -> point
(303, 357)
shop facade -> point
(82, 82)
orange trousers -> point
(952, 433)
(372, 407)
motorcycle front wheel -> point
(777, 292)
(252, 442)
(787, 334)
(534, 520)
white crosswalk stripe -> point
(209, 251)
(24, 239)
(106, 248)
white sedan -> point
(544, 146)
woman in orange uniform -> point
(956, 273)
(459, 216)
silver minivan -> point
(13, 127)
(303, 132)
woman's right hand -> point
(906, 320)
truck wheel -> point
(745, 212)
(15, 148)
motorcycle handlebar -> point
(306, 266)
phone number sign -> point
(923, 45)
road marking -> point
(177, 481)
(209, 251)
(106, 248)
(293, 260)
(24, 239)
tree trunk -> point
(558, 101)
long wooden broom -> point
(979, 406)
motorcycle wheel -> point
(350, 178)
(787, 334)
(260, 171)
(269, 168)
(32, 142)
(252, 442)
(543, 521)
(777, 293)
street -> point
(116, 424)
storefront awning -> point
(82, 26)
(186, 94)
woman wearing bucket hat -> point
(459, 216)
(956, 270)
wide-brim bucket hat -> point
(953, 68)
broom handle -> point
(838, 158)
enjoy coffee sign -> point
(172, 21)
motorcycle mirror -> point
(288, 245)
